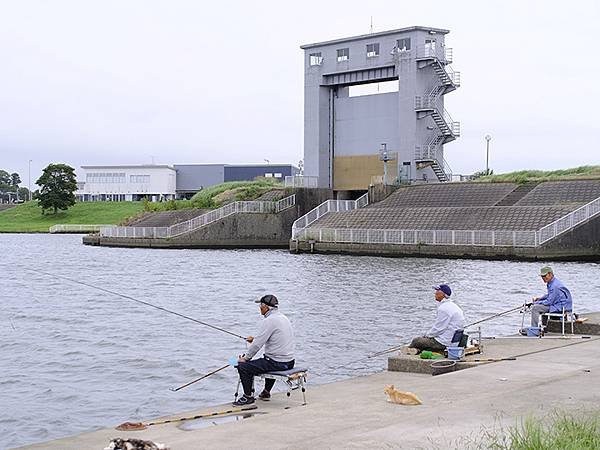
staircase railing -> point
(200, 221)
(325, 208)
(568, 222)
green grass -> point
(559, 430)
(523, 176)
(28, 218)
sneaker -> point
(265, 396)
(523, 332)
(243, 401)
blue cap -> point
(444, 288)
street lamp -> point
(29, 181)
(488, 138)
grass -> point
(557, 431)
(28, 218)
(523, 176)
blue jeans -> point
(249, 369)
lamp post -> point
(488, 138)
(29, 180)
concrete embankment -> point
(553, 373)
(234, 231)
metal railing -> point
(200, 221)
(568, 221)
(431, 102)
(302, 181)
(420, 237)
(73, 228)
(325, 208)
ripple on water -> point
(78, 352)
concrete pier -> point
(551, 374)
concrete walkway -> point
(354, 413)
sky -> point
(137, 82)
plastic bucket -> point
(533, 332)
(456, 352)
(443, 366)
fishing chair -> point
(563, 316)
(293, 378)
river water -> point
(74, 358)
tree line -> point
(10, 191)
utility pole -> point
(29, 181)
(488, 138)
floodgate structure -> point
(374, 108)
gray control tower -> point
(380, 90)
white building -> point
(127, 183)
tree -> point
(23, 193)
(5, 180)
(57, 185)
(15, 180)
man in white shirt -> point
(449, 319)
(277, 337)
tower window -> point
(403, 44)
(343, 54)
(372, 50)
(316, 59)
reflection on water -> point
(69, 351)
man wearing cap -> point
(449, 319)
(556, 300)
(277, 336)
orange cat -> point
(401, 398)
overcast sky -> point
(136, 82)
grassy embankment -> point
(28, 218)
(523, 176)
(220, 194)
(557, 431)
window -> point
(403, 44)
(278, 175)
(138, 179)
(372, 50)
(101, 177)
(268, 175)
(316, 59)
(343, 54)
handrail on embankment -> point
(200, 221)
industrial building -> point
(374, 109)
(164, 182)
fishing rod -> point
(495, 315)
(214, 327)
(134, 426)
(200, 378)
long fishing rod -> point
(200, 378)
(494, 316)
(214, 327)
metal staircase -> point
(431, 152)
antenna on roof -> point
(371, 25)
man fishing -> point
(449, 319)
(556, 300)
(277, 336)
